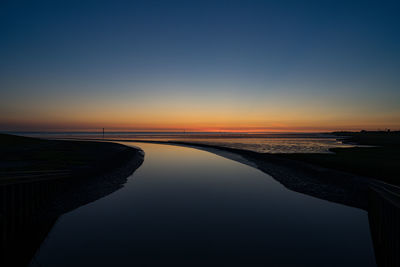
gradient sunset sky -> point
(199, 65)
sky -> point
(199, 65)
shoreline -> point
(103, 169)
(34, 207)
(31, 204)
(299, 176)
(27, 159)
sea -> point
(258, 142)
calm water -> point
(271, 143)
(185, 206)
(277, 145)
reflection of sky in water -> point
(271, 143)
(184, 207)
(278, 145)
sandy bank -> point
(77, 172)
(42, 179)
(310, 179)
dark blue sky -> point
(341, 57)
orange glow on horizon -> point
(178, 114)
(242, 128)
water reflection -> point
(271, 143)
(29, 210)
(274, 145)
(185, 206)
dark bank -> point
(42, 179)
